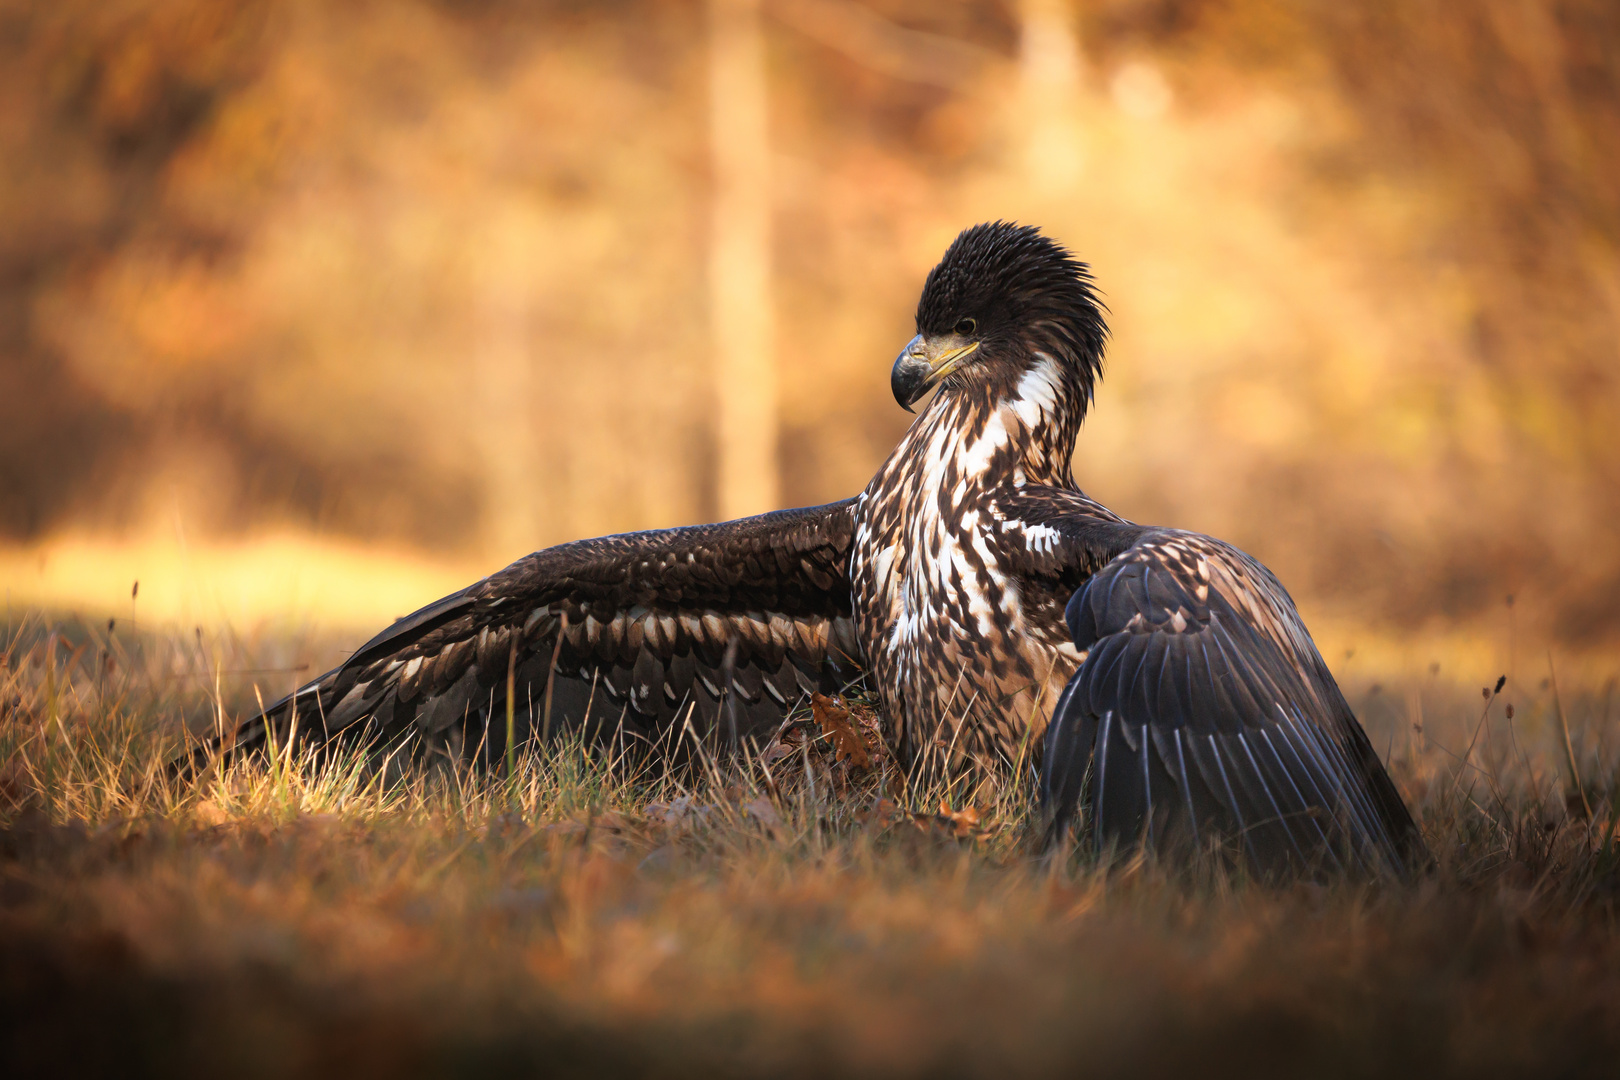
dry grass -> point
(284, 917)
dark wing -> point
(1202, 711)
(721, 626)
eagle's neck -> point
(1010, 432)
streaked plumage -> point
(1004, 618)
(642, 633)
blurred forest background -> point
(435, 280)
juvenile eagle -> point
(1000, 615)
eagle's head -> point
(1003, 304)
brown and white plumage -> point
(642, 633)
(1180, 696)
(1203, 712)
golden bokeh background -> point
(317, 310)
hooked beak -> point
(923, 363)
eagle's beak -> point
(923, 363)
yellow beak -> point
(923, 363)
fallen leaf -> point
(682, 811)
(964, 822)
(763, 811)
(959, 823)
(787, 742)
(835, 724)
(879, 810)
(775, 752)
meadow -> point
(310, 313)
(800, 912)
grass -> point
(286, 917)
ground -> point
(796, 913)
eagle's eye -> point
(965, 327)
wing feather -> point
(759, 608)
(1214, 716)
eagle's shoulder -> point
(1057, 532)
(784, 555)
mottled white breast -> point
(941, 619)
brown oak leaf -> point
(835, 724)
(964, 822)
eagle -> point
(1158, 680)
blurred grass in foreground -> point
(293, 918)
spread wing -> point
(723, 626)
(1202, 711)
